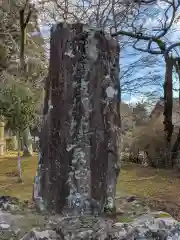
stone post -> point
(2, 142)
(27, 141)
(79, 141)
(14, 143)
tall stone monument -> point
(79, 141)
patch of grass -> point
(8, 178)
(156, 183)
(133, 180)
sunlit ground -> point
(149, 182)
(9, 184)
(133, 180)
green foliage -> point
(17, 104)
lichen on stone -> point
(69, 54)
(91, 46)
(70, 147)
(111, 92)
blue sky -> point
(155, 69)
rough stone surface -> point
(40, 235)
(149, 226)
(79, 159)
(8, 227)
(135, 221)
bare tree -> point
(157, 44)
(24, 20)
(108, 15)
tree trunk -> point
(168, 105)
(80, 153)
(176, 146)
(19, 159)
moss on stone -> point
(161, 215)
(125, 219)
